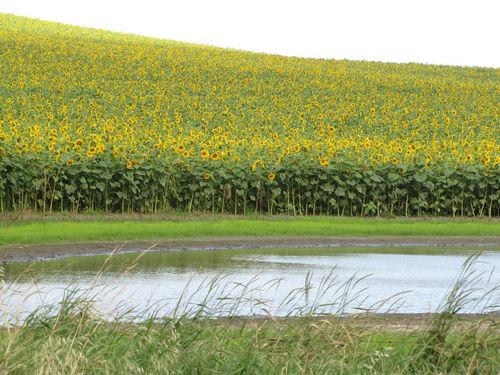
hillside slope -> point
(73, 99)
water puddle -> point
(254, 282)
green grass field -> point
(100, 229)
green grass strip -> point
(31, 232)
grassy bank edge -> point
(68, 230)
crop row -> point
(107, 185)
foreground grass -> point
(75, 343)
(102, 229)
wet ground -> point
(23, 253)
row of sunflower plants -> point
(107, 184)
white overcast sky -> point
(426, 31)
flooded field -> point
(255, 282)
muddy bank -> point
(376, 321)
(23, 253)
(368, 322)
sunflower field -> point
(94, 120)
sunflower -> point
(214, 156)
(70, 162)
(271, 176)
(130, 164)
(204, 154)
(206, 176)
(324, 162)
